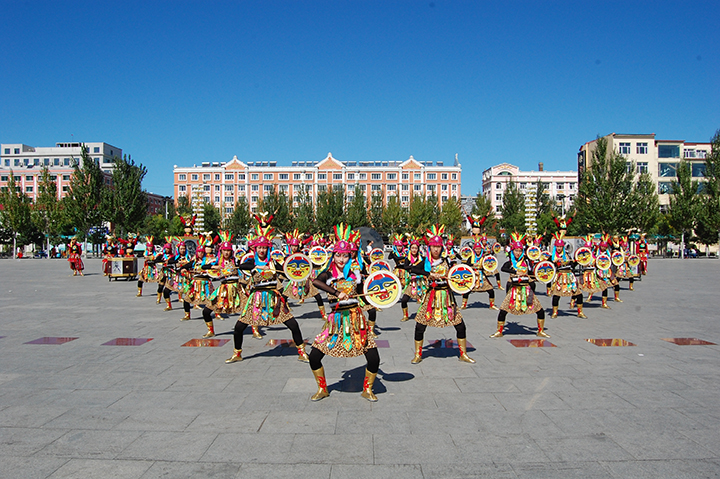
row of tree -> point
(613, 198)
(90, 202)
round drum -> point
(297, 267)
(533, 252)
(545, 271)
(584, 256)
(490, 264)
(461, 278)
(603, 262)
(382, 289)
(318, 255)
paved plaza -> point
(160, 409)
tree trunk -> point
(682, 246)
(14, 245)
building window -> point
(391, 187)
(254, 199)
(17, 151)
(376, 176)
(255, 177)
(560, 186)
(571, 186)
(443, 176)
(217, 187)
(391, 176)
(229, 199)
(698, 169)
(322, 188)
(444, 199)
(376, 187)
(241, 176)
(217, 199)
(28, 178)
(405, 187)
(3, 178)
(405, 176)
(206, 177)
(228, 211)
(206, 187)
(283, 176)
(284, 189)
(418, 176)
(337, 176)
(182, 188)
(296, 177)
(431, 176)
(498, 209)
(523, 186)
(668, 151)
(66, 177)
(431, 187)
(255, 187)
(454, 187)
(217, 177)
(241, 187)
(444, 187)
(194, 177)
(268, 187)
(308, 176)
(624, 148)
(498, 186)
(498, 197)
(229, 176)
(56, 161)
(322, 176)
(228, 187)
(701, 154)
(664, 188)
(28, 189)
(642, 167)
(642, 148)
(362, 187)
(65, 188)
(351, 176)
(268, 177)
(404, 199)
(182, 177)
(454, 176)
(418, 187)
(667, 170)
(7, 151)
(363, 176)
(96, 149)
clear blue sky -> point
(181, 82)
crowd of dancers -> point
(221, 280)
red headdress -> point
(433, 236)
(342, 239)
(517, 240)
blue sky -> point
(181, 82)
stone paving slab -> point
(82, 409)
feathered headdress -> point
(264, 219)
(398, 240)
(588, 240)
(450, 240)
(433, 236)
(292, 238)
(263, 236)
(168, 243)
(208, 240)
(226, 240)
(413, 240)
(517, 240)
(558, 242)
(342, 238)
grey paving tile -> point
(331, 449)
(407, 449)
(301, 422)
(596, 447)
(90, 444)
(18, 441)
(36, 468)
(584, 470)
(87, 418)
(674, 469)
(250, 448)
(284, 471)
(29, 416)
(374, 471)
(156, 418)
(245, 422)
(169, 446)
(178, 470)
(84, 468)
(468, 470)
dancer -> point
(482, 283)
(414, 285)
(201, 287)
(228, 298)
(438, 307)
(75, 257)
(565, 284)
(346, 332)
(520, 298)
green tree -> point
(394, 216)
(125, 203)
(212, 217)
(646, 204)
(184, 208)
(277, 204)
(156, 226)
(15, 212)
(709, 216)
(357, 212)
(602, 201)
(304, 213)
(330, 209)
(82, 203)
(513, 209)
(452, 217)
(376, 211)
(46, 214)
(240, 220)
(684, 201)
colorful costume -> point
(75, 257)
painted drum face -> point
(534, 253)
(277, 256)
(545, 271)
(247, 256)
(380, 265)
(618, 257)
(376, 255)
(297, 267)
(461, 278)
(318, 255)
(633, 260)
(584, 256)
(382, 289)
(490, 264)
(603, 262)
(466, 252)
(545, 255)
(497, 247)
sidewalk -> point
(84, 409)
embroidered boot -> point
(499, 332)
(367, 386)
(462, 346)
(211, 330)
(541, 329)
(418, 352)
(322, 391)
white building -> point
(561, 186)
(17, 155)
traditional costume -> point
(565, 283)
(482, 282)
(75, 257)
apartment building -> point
(560, 185)
(659, 158)
(223, 183)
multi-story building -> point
(26, 163)
(659, 158)
(560, 185)
(223, 183)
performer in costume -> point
(414, 285)
(149, 272)
(565, 284)
(476, 226)
(520, 298)
(346, 332)
(482, 283)
(160, 261)
(624, 271)
(438, 308)
(176, 275)
(109, 252)
(265, 305)
(75, 257)
(358, 263)
(607, 277)
(590, 283)
(304, 289)
(229, 297)
(201, 286)
(642, 252)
